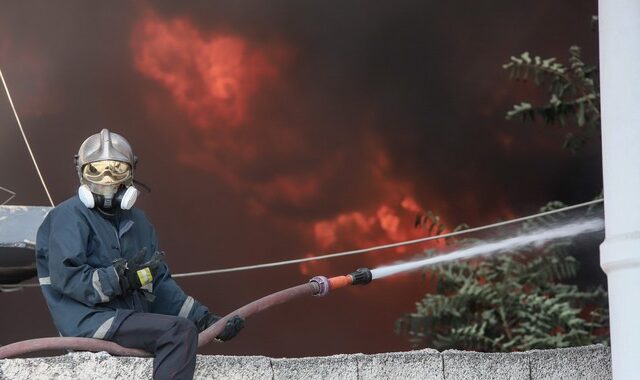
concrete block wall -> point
(590, 362)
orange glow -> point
(211, 77)
(391, 220)
(217, 81)
(326, 231)
(410, 204)
(295, 190)
(388, 224)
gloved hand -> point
(231, 328)
(134, 274)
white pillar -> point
(619, 22)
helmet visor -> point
(106, 172)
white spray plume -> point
(490, 248)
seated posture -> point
(102, 273)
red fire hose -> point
(318, 286)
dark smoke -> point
(369, 105)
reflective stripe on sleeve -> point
(97, 285)
(186, 307)
(44, 280)
(101, 332)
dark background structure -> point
(276, 130)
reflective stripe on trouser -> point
(101, 332)
(172, 340)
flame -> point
(390, 220)
(389, 223)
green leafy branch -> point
(574, 94)
(513, 301)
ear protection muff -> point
(124, 198)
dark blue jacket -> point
(75, 249)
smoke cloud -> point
(276, 130)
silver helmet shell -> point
(104, 146)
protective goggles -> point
(106, 172)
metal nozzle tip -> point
(362, 276)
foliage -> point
(574, 94)
(522, 299)
(513, 301)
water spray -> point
(490, 248)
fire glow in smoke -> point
(391, 222)
(215, 79)
(253, 122)
(212, 78)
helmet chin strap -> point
(123, 199)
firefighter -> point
(102, 273)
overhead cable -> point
(24, 137)
(362, 250)
(386, 246)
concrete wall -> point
(591, 362)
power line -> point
(24, 137)
(386, 246)
(360, 251)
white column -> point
(619, 22)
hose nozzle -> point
(323, 285)
(361, 276)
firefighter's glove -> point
(231, 328)
(134, 273)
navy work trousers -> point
(172, 340)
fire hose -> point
(317, 286)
